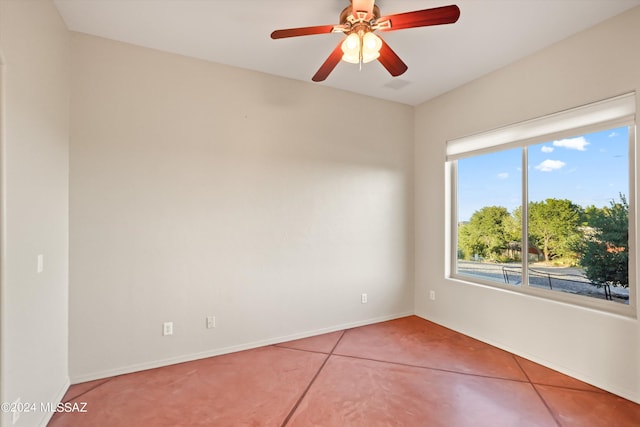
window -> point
(543, 207)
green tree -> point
(486, 233)
(605, 247)
(554, 227)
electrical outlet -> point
(40, 263)
(15, 414)
(167, 328)
(211, 322)
(363, 298)
(432, 295)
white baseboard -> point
(231, 349)
(46, 416)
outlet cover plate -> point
(211, 322)
(167, 328)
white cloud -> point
(547, 149)
(613, 134)
(579, 143)
(550, 165)
(503, 175)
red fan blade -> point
(391, 61)
(362, 6)
(303, 31)
(327, 67)
(422, 18)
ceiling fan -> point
(358, 21)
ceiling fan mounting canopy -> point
(358, 21)
(347, 12)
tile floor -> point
(405, 372)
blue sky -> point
(590, 169)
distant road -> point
(565, 279)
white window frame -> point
(610, 113)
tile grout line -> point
(299, 349)
(431, 368)
(553, 415)
(313, 380)
(89, 390)
(449, 371)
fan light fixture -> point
(358, 48)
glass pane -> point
(489, 225)
(578, 215)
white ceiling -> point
(489, 35)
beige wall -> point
(34, 45)
(596, 64)
(199, 189)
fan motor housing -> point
(348, 11)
